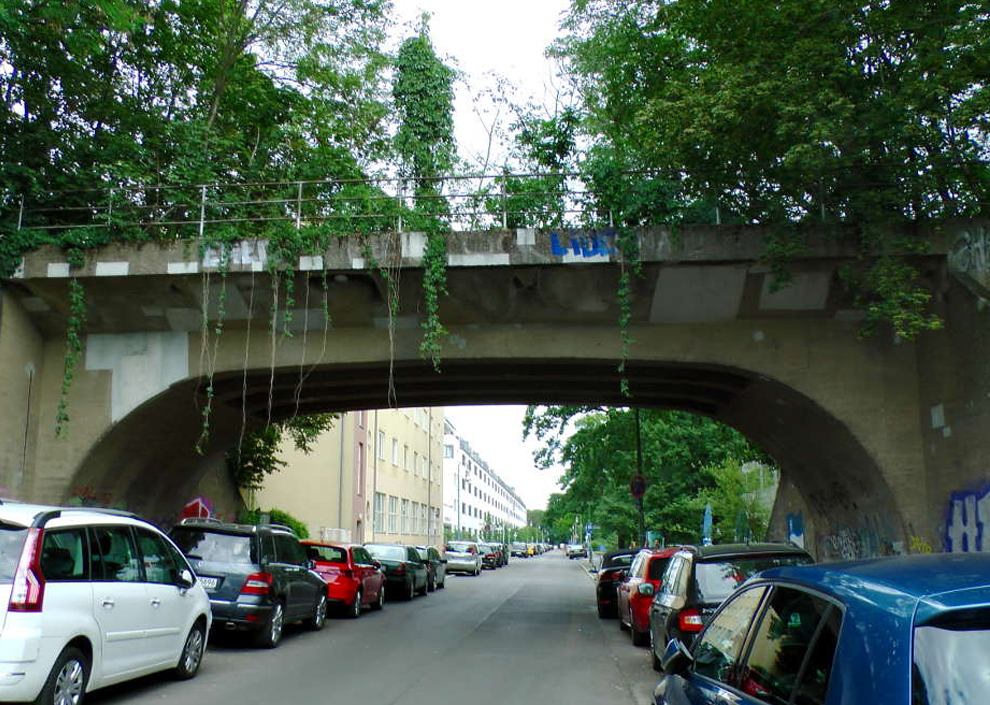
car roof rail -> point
(200, 520)
(43, 518)
(281, 526)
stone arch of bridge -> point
(148, 461)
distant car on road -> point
(699, 578)
(518, 550)
(576, 550)
(463, 557)
(354, 579)
(436, 566)
(405, 572)
(906, 630)
(609, 574)
(489, 556)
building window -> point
(380, 447)
(405, 516)
(422, 519)
(405, 457)
(379, 511)
(422, 466)
(395, 451)
(415, 519)
(448, 451)
(415, 461)
(393, 514)
(361, 469)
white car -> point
(92, 597)
(463, 557)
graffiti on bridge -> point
(872, 540)
(581, 244)
(969, 513)
(970, 253)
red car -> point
(354, 579)
(635, 592)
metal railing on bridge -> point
(462, 203)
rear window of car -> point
(388, 553)
(214, 546)
(952, 659)
(623, 559)
(328, 554)
(717, 578)
(459, 547)
(423, 553)
(657, 568)
(11, 542)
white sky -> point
(507, 38)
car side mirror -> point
(185, 579)
(676, 658)
(645, 589)
(310, 564)
(377, 564)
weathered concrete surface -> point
(531, 317)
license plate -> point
(208, 583)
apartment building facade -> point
(375, 476)
(476, 501)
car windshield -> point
(423, 553)
(459, 547)
(951, 661)
(327, 554)
(716, 578)
(214, 546)
(387, 553)
(11, 542)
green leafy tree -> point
(857, 113)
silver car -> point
(463, 557)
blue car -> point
(910, 630)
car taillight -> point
(609, 575)
(690, 621)
(28, 589)
(257, 584)
(399, 569)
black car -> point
(610, 574)
(699, 578)
(258, 577)
(436, 566)
(406, 573)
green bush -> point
(275, 516)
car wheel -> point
(271, 635)
(192, 654)
(431, 583)
(411, 592)
(622, 625)
(443, 583)
(477, 571)
(66, 684)
(354, 610)
(380, 602)
(319, 618)
(604, 612)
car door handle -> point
(155, 602)
(107, 602)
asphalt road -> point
(526, 634)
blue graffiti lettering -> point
(969, 514)
(587, 246)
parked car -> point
(503, 553)
(463, 557)
(518, 550)
(489, 556)
(258, 577)
(436, 566)
(405, 572)
(354, 579)
(634, 594)
(699, 578)
(576, 550)
(906, 630)
(609, 574)
(89, 598)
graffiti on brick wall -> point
(86, 496)
(970, 253)
(795, 528)
(968, 516)
(870, 540)
(584, 245)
